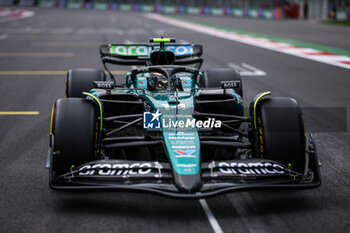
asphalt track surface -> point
(27, 204)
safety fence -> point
(265, 13)
(276, 13)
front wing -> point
(217, 176)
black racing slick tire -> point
(213, 78)
(74, 134)
(82, 80)
(281, 134)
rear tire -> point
(281, 135)
(74, 134)
(82, 80)
(214, 77)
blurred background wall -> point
(268, 9)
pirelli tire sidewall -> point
(82, 80)
(281, 133)
(75, 129)
(212, 78)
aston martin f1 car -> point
(171, 129)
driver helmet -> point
(157, 81)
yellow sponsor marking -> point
(35, 54)
(47, 72)
(19, 113)
(67, 44)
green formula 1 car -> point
(171, 129)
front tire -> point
(281, 134)
(74, 134)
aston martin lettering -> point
(251, 168)
(106, 169)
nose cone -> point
(188, 183)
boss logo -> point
(230, 84)
(104, 84)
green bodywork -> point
(183, 139)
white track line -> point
(315, 55)
(255, 70)
(212, 220)
(18, 14)
(246, 70)
(3, 36)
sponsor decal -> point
(230, 84)
(144, 50)
(180, 50)
(184, 153)
(191, 123)
(104, 84)
(191, 69)
(253, 168)
(106, 169)
(181, 138)
(151, 120)
(186, 165)
(130, 50)
(179, 106)
(184, 147)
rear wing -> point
(138, 54)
